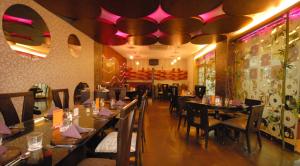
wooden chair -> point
(197, 116)
(120, 141)
(182, 113)
(9, 112)
(200, 91)
(173, 99)
(57, 100)
(248, 126)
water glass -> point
(35, 141)
(102, 102)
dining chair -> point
(116, 143)
(138, 137)
(200, 91)
(164, 91)
(248, 125)
(57, 100)
(197, 116)
(182, 109)
(9, 112)
(173, 99)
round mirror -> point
(26, 32)
(74, 45)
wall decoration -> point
(26, 32)
(207, 72)
(266, 47)
(146, 74)
(74, 45)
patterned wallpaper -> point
(260, 74)
(58, 70)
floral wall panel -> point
(207, 72)
(259, 74)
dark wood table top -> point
(220, 106)
(85, 119)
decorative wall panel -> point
(259, 74)
(58, 70)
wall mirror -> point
(26, 32)
(74, 45)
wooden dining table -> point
(52, 155)
(221, 106)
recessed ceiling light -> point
(178, 58)
(131, 57)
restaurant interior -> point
(150, 82)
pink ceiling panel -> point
(215, 12)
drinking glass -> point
(35, 141)
(66, 124)
(102, 102)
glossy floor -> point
(167, 146)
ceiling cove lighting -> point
(205, 50)
(259, 18)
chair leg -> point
(179, 122)
(206, 138)
(248, 142)
(259, 138)
(184, 121)
(188, 130)
(197, 131)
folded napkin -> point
(4, 129)
(104, 112)
(82, 129)
(72, 132)
(3, 149)
(236, 102)
(120, 103)
(88, 102)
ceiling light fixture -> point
(131, 57)
(205, 50)
(259, 18)
(137, 63)
(178, 58)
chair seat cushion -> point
(239, 123)
(213, 122)
(109, 143)
(97, 161)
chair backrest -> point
(125, 133)
(255, 117)
(9, 112)
(195, 109)
(200, 91)
(57, 100)
(165, 88)
(252, 102)
(140, 125)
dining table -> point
(64, 154)
(237, 110)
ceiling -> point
(157, 28)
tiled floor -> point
(168, 146)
